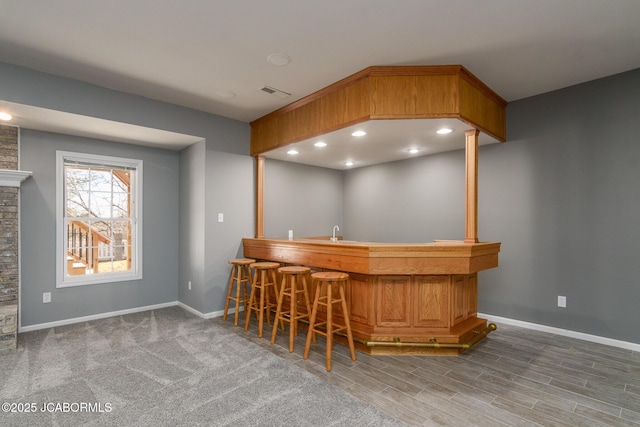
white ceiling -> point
(385, 141)
(30, 117)
(188, 52)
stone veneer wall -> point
(8, 243)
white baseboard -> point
(210, 315)
(95, 317)
(564, 332)
(73, 320)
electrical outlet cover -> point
(562, 301)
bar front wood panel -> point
(378, 93)
(361, 298)
(459, 309)
(431, 304)
(393, 294)
(472, 294)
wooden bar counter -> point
(402, 298)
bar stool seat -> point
(324, 296)
(293, 285)
(264, 279)
(241, 278)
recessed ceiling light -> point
(349, 163)
(5, 116)
(320, 144)
(279, 59)
(359, 133)
(443, 131)
(226, 94)
(413, 150)
(292, 152)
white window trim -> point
(63, 281)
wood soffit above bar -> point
(382, 93)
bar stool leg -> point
(306, 300)
(246, 287)
(252, 301)
(275, 294)
(309, 305)
(312, 321)
(293, 326)
(329, 324)
(239, 285)
(226, 304)
(263, 275)
(280, 298)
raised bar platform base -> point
(421, 348)
(432, 347)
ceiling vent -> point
(274, 91)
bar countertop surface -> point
(438, 257)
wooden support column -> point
(471, 218)
(260, 197)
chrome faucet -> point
(333, 236)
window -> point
(99, 225)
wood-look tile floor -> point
(515, 377)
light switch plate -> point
(220, 217)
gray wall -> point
(561, 195)
(230, 191)
(412, 201)
(192, 221)
(227, 188)
(195, 193)
(305, 199)
(38, 225)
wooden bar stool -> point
(264, 278)
(294, 284)
(324, 296)
(241, 277)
